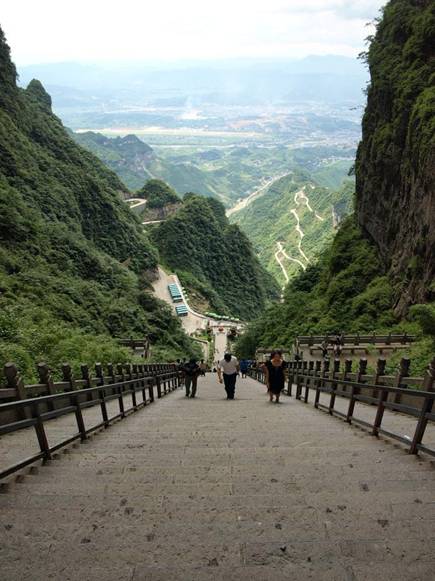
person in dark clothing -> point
(243, 367)
(274, 370)
(191, 371)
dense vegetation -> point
(269, 219)
(362, 283)
(396, 158)
(74, 262)
(214, 258)
(128, 156)
(346, 290)
(158, 194)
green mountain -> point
(395, 163)
(158, 194)
(75, 264)
(356, 285)
(292, 222)
(129, 157)
(214, 258)
(135, 162)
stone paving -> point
(210, 489)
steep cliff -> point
(381, 261)
(395, 167)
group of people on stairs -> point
(229, 368)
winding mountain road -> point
(255, 194)
(136, 204)
(299, 199)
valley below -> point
(276, 158)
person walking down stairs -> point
(191, 372)
(275, 371)
(229, 368)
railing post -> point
(382, 398)
(317, 372)
(15, 381)
(428, 385)
(129, 370)
(40, 432)
(45, 377)
(111, 373)
(380, 371)
(158, 386)
(321, 382)
(348, 369)
(79, 416)
(99, 373)
(335, 372)
(308, 381)
(290, 371)
(151, 382)
(86, 376)
(67, 377)
(300, 378)
(121, 389)
(403, 372)
(102, 393)
(362, 368)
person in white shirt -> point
(229, 368)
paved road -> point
(193, 321)
(210, 489)
(255, 194)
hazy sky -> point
(105, 30)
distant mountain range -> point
(75, 86)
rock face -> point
(395, 169)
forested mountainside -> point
(135, 162)
(129, 157)
(396, 158)
(158, 194)
(295, 219)
(74, 262)
(214, 259)
(355, 286)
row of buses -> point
(177, 297)
(182, 310)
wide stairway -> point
(210, 489)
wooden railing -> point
(357, 339)
(16, 389)
(142, 383)
(412, 396)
